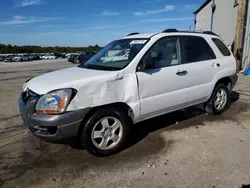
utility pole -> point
(239, 25)
(212, 16)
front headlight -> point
(54, 102)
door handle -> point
(182, 73)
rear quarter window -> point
(221, 46)
(196, 49)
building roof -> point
(202, 6)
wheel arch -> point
(225, 80)
(120, 105)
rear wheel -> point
(219, 100)
(105, 132)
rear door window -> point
(196, 49)
(221, 46)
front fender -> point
(104, 92)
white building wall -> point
(203, 18)
(225, 17)
(224, 22)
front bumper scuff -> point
(51, 127)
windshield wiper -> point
(99, 67)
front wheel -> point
(219, 100)
(105, 132)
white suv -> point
(98, 102)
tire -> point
(212, 106)
(21, 60)
(96, 124)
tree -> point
(38, 49)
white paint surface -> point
(149, 93)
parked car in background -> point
(52, 56)
(87, 56)
(71, 58)
(9, 58)
(2, 58)
(63, 55)
(41, 55)
(20, 58)
(68, 55)
(45, 56)
(49, 56)
(36, 57)
(58, 55)
(80, 58)
(30, 56)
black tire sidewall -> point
(211, 105)
(85, 134)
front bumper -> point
(51, 127)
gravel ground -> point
(183, 149)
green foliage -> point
(4, 49)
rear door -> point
(201, 65)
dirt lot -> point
(182, 149)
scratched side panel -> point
(107, 91)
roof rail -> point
(209, 32)
(132, 34)
(204, 32)
(196, 31)
(169, 30)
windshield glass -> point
(116, 55)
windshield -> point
(116, 55)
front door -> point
(161, 79)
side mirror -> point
(149, 64)
(146, 64)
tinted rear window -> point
(221, 46)
(196, 49)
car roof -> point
(170, 32)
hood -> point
(67, 78)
